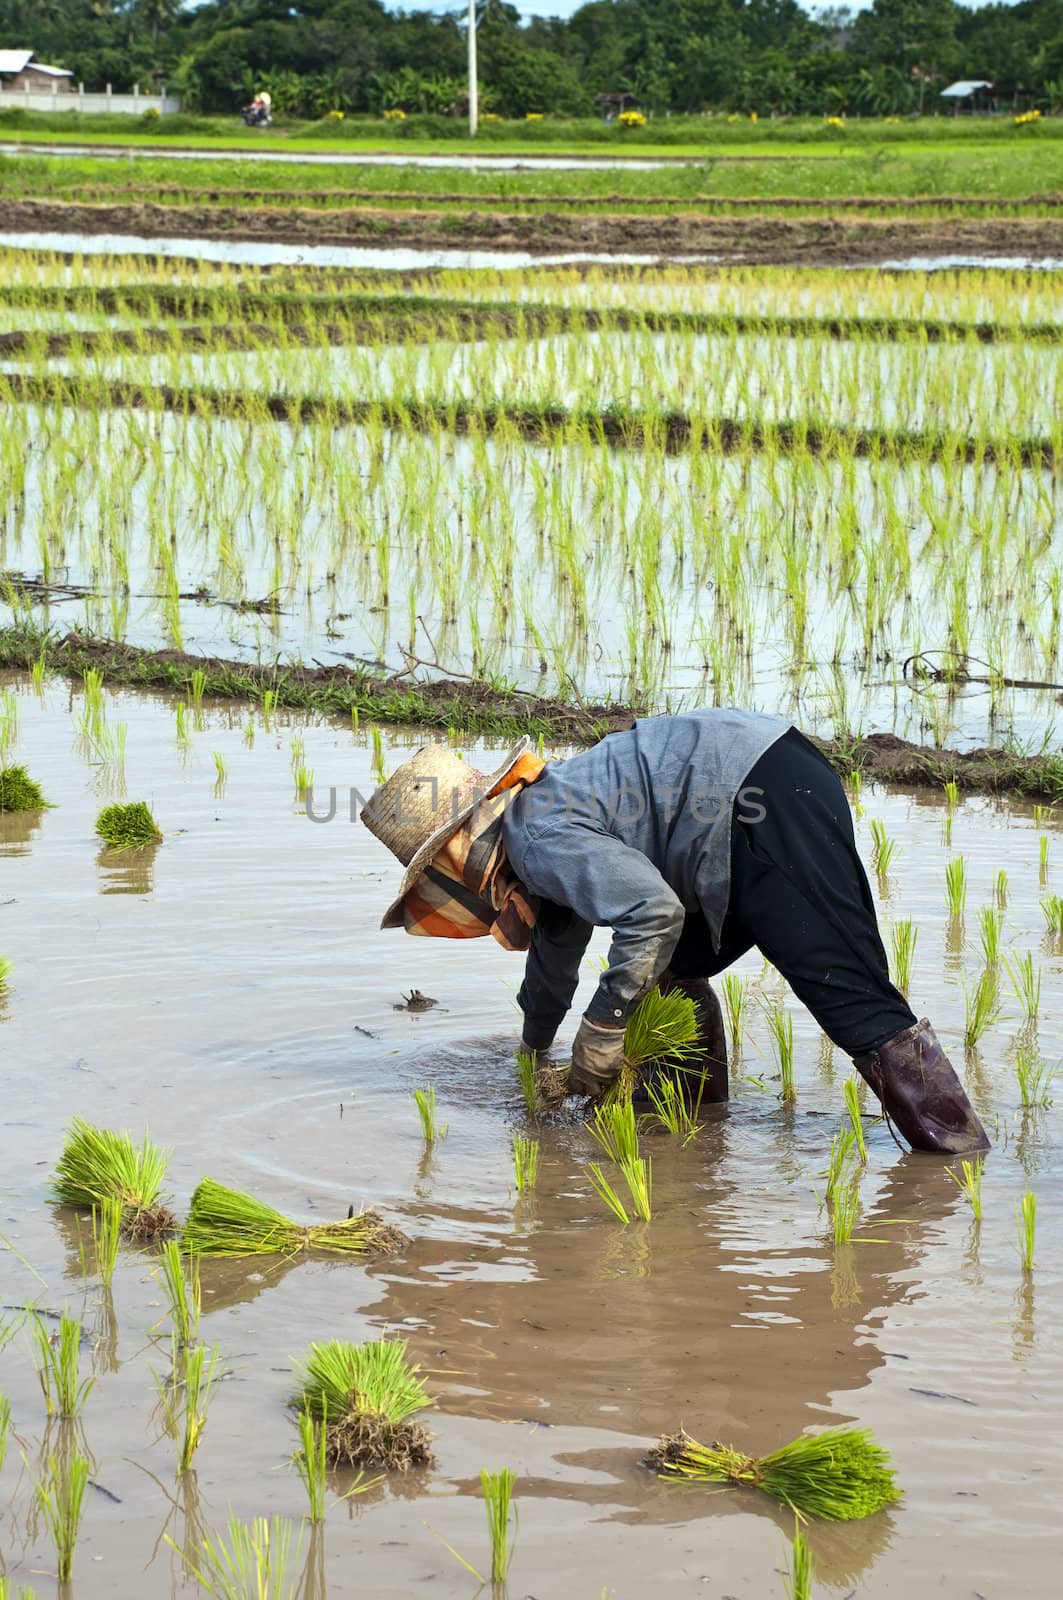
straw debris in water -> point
(226, 1222)
(368, 1396)
(839, 1475)
(98, 1165)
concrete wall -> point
(57, 100)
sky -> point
(565, 8)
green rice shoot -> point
(662, 1027)
(128, 825)
(735, 1005)
(425, 1100)
(969, 1181)
(614, 1127)
(311, 1462)
(883, 850)
(606, 1193)
(1025, 978)
(525, 1162)
(20, 792)
(256, 1560)
(1052, 907)
(185, 1395)
(903, 937)
(1026, 1220)
(852, 1105)
(98, 1164)
(60, 1498)
(990, 920)
(982, 1008)
(58, 1369)
(781, 1027)
(801, 1570)
(227, 1222)
(1034, 1078)
(179, 1275)
(368, 1397)
(107, 1219)
(7, 967)
(671, 1106)
(839, 1475)
(498, 1502)
(638, 1175)
(956, 887)
(5, 1427)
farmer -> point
(694, 838)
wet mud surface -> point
(766, 239)
(232, 993)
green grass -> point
(838, 1475)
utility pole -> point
(474, 92)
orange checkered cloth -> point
(468, 890)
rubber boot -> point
(711, 1058)
(921, 1094)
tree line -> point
(675, 56)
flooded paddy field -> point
(857, 524)
(231, 993)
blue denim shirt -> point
(629, 835)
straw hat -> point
(423, 804)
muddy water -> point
(232, 993)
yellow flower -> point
(395, 114)
(753, 117)
(533, 116)
(632, 119)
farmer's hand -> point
(597, 1057)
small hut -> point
(19, 71)
(970, 97)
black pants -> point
(799, 892)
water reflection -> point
(127, 871)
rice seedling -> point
(525, 1162)
(956, 887)
(7, 967)
(254, 1561)
(185, 1395)
(60, 1495)
(64, 1390)
(735, 1004)
(1042, 868)
(852, 1106)
(781, 1026)
(221, 769)
(5, 1426)
(19, 792)
(98, 1164)
(1000, 889)
(107, 1222)
(498, 1502)
(982, 1008)
(605, 1192)
(952, 793)
(662, 1027)
(845, 1210)
(838, 1475)
(311, 1462)
(304, 783)
(1026, 1223)
(614, 1127)
(903, 938)
(425, 1100)
(179, 1275)
(526, 1076)
(1052, 907)
(380, 771)
(802, 1569)
(128, 826)
(227, 1222)
(838, 1169)
(883, 849)
(1026, 981)
(638, 1175)
(1035, 1079)
(969, 1182)
(367, 1396)
(990, 920)
(671, 1106)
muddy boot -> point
(711, 1058)
(921, 1093)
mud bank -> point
(757, 238)
(476, 707)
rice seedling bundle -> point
(128, 826)
(368, 1397)
(19, 792)
(98, 1164)
(662, 1027)
(838, 1475)
(227, 1222)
